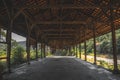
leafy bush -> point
(1, 68)
(49, 54)
(63, 53)
(105, 64)
(18, 55)
(32, 54)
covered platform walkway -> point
(60, 68)
(59, 24)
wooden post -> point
(85, 50)
(113, 39)
(8, 39)
(44, 51)
(41, 50)
(69, 50)
(76, 51)
(28, 47)
(85, 46)
(94, 40)
(80, 49)
(0, 32)
(36, 51)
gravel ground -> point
(60, 68)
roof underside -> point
(60, 23)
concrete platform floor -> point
(60, 68)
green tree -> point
(18, 55)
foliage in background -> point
(90, 46)
(32, 54)
(18, 55)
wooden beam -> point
(62, 34)
(60, 22)
(102, 9)
(29, 18)
(7, 7)
(58, 32)
(48, 30)
(90, 16)
(60, 38)
(65, 7)
(18, 13)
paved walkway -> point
(60, 68)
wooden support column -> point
(69, 50)
(9, 10)
(8, 39)
(28, 48)
(41, 50)
(76, 51)
(36, 50)
(80, 50)
(113, 38)
(85, 50)
(37, 35)
(44, 52)
(85, 46)
(94, 40)
(28, 40)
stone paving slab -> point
(60, 68)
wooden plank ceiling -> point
(59, 23)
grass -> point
(102, 63)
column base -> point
(28, 63)
(9, 71)
(95, 63)
(116, 71)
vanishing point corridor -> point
(60, 68)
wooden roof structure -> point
(60, 23)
